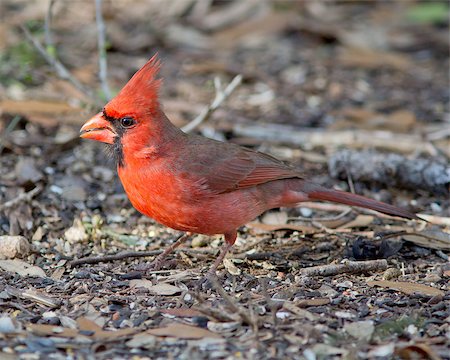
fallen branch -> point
(24, 197)
(130, 254)
(221, 96)
(390, 170)
(346, 267)
(60, 69)
(109, 258)
(307, 138)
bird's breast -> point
(181, 204)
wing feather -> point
(227, 167)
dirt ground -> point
(355, 94)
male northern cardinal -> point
(194, 184)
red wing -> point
(237, 168)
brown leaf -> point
(371, 59)
(362, 118)
(22, 268)
(407, 287)
(50, 330)
(44, 112)
(312, 302)
(158, 289)
(359, 221)
(84, 324)
(183, 331)
(431, 238)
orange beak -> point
(99, 129)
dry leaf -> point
(407, 287)
(275, 218)
(371, 59)
(158, 289)
(361, 118)
(84, 324)
(312, 302)
(433, 239)
(359, 221)
(22, 268)
(50, 330)
(231, 268)
(39, 298)
(58, 273)
(47, 113)
(183, 331)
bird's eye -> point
(127, 122)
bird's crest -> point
(141, 91)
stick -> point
(221, 96)
(60, 69)
(102, 64)
(346, 267)
(51, 50)
(131, 254)
(22, 197)
(109, 258)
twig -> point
(108, 258)
(51, 50)
(21, 198)
(131, 254)
(102, 64)
(231, 303)
(15, 120)
(221, 96)
(346, 267)
(60, 69)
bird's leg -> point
(159, 260)
(230, 238)
(212, 270)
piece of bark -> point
(348, 267)
(391, 170)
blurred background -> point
(353, 93)
(318, 77)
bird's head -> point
(133, 117)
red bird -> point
(194, 184)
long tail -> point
(319, 193)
